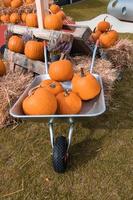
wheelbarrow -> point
(61, 144)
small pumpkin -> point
(85, 85)
(61, 14)
(40, 102)
(16, 3)
(31, 20)
(61, 70)
(16, 44)
(15, 18)
(68, 103)
(52, 86)
(23, 17)
(5, 18)
(108, 39)
(29, 1)
(103, 26)
(54, 8)
(2, 68)
(34, 50)
(53, 22)
(95, 35)
(7, 3)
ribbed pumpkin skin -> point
(52, 86)
(7, 3)
(23, 17)
(5, 18)
(87, 87)
(61, 70)
(2, 68)
(16, 3)
(16, 44)
(31, 20)
(15, 18)
(54, 8)
(108, 39)
(68, 103)
(34, 50)
(53, 22)
(41, 102)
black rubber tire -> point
(60, 155)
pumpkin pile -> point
(103, 32)
(49, 97)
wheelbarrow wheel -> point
(60, 155)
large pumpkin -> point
(40, 102)
(52, 86)
(54, 8)
(15, 18)
(16, 3)
(34, 50)
(16, 44)
(5, 18)
(31, 20)
(7, 3)
(2, 68)
(68, 103)
(85, 85)
(61, 70)
(53, 22)
(103, 26)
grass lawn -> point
(101, 165)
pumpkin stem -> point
(94, 30)
(66, 92)
(105, 18)
(50, 11)
(53, 85)
(82, 72)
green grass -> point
(101, 165)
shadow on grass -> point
(85, 151)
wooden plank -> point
(23, 61)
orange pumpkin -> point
(23, 17)
(29, 1)
(103, 26)
(34, 50)
(54, 8)
(7, 3)
(85, 85)
(61, 14)
(95, 35)
(108, 39)
(53, 22)
(16, 44)
(68, 103)
(15, 18)
(16, 3)
(2, 68)
(52, 86)
(5, 18)
(61, 70)
(31, 20)
(40, 102)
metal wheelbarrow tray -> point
(60, 145)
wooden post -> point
(42, 7)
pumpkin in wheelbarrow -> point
(61, 70)
(85, 85)
(52, 86)
(39, 102)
